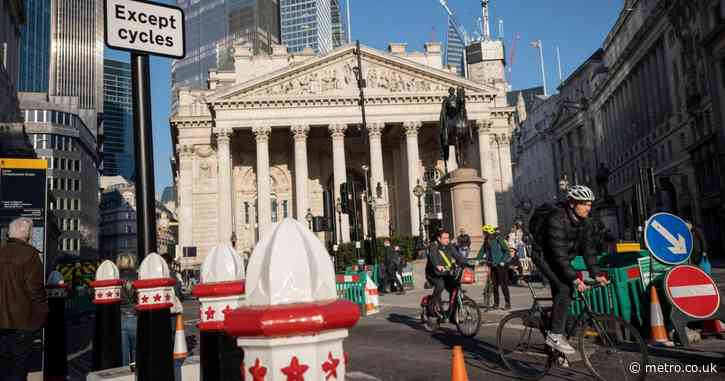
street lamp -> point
(338, 209)
(371, 214)
(308, 217)
(418, 191)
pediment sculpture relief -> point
(340, 76)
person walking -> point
(24, 303)
(497, 255)
(699, 246)
(463, 243)
(392, 261)
(126, 264)
(516, 240)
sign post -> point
(144, 28)
(694, 296)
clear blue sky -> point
(577, 27)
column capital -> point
(411, 128)
(503, 138)
(223, 134)
(375, 130)
(337, 130)
(300, 131)
(484, 126)
(185, 151)
(261, 133)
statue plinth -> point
(461, 204)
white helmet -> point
(580, 193)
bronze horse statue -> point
(455, 129)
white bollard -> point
(292, 325)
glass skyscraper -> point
(35, 47)
(118, 153)
(339, 32)
(311, 23)
(455, 48)
(212, 29)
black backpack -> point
(537, 220)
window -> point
(274, 210)
(78, 165)
(77, 204)
(246, 212)
(77, 187)
(284, 209)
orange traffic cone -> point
(458, 369)
(180, 350)
(657, 321)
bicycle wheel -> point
(521, 345)
(468, 318)
(429, 322)
(610, 346)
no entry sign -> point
(692, 291)
(145, 27)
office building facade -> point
(11, 19)
(35, 47)
(118, 152)
(455, 48)
(212, 27)
(339, 29)
(308, 24)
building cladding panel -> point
(76, 67)
(308, 23)
(35, 47)
(66, 143)
(213, 27)
(339, 32)
(455, 49)
(11, 18)
(117, 119)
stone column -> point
(490, 214)
(186, 202)
(504, 144)
(411, 144)
(452, 163)
(300, 136)
(224, 181)
(377, 175)
(264, 207)
(339, 168)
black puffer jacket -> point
(564, 237)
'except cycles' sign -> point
(145, 27)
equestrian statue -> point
(455, 129)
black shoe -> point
(508, 307)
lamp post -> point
(371, 213)
(308, 217)
(418, 191)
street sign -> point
(692, 291)
(668, 238)
(145, 27)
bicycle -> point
(600, 338)
(462, 311)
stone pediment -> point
(332, 76)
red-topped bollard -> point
(292, 325)
(56, 366)
(221, 291)
(154, 345)
(107, 328)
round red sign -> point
(692, 291)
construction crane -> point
(512, 55)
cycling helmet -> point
(488, 229)
(580, 193)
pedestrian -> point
(392, 260)
(699, 245)
(25, 307)
(514, 267)
(126, 264)
(516, 240)
(463, 243)
(400, 266)
(497, 254)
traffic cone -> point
(458, 369)
(712, 327)
(657, 321)
(180, 350)
(372, 301)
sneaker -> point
(558, 342)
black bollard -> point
(107, 326)
(219, 354)
(154, 343)
(56, 353)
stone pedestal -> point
(461, 199)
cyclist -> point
(564, 232)
(442, 256)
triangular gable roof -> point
(419, 77)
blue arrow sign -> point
(668, 238)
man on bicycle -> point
(441, 258)
(563, 233)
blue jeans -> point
(128, 338)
